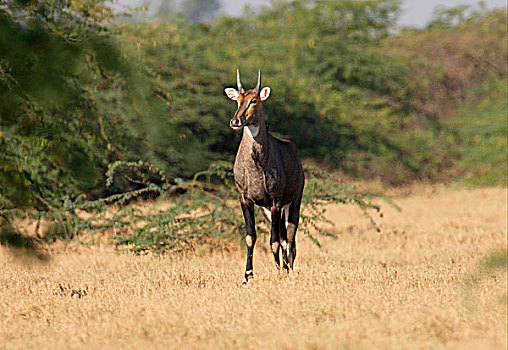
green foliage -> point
(75, 95)
(344, 90)
(56, 60)
(449, 17)
(480, 130)
(197, 210)
(49, 124)
(210, 208)
(322, 189)
(187, 66)
(80, 95)
(466, 97)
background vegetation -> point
(81, 88)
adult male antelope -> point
(267, 173)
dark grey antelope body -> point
(267, 173)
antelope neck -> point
(257, 132)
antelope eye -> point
(253, 101)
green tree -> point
(55, 59)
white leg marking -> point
(268, 213)
(286, 214)
(275, 247)
(248, 272)
(284, 245)
(248, 240)
(287, 251)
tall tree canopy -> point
(79, 90)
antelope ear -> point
(232, 93)
(265, 92)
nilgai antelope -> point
(267, 173)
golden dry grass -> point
(420, 283)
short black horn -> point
(239, 83)
(256, 90)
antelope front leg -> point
(275, 234)
(250, 238)
(292, 226)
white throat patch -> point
(252, 130)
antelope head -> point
(249, 103)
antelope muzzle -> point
(235, 124)
(238, 120)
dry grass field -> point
(428, 281)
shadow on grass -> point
(22, 246)
(497, 260)
(493, 263)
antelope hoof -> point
(285, 254)
(291, 259)
(248, 274)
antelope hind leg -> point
(284, 237)
(291, 227)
